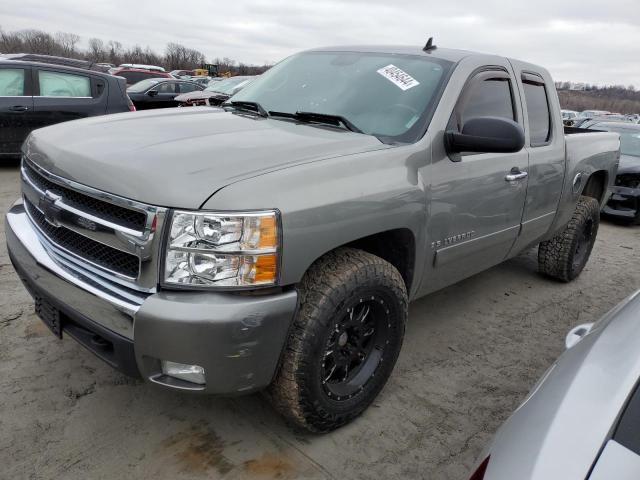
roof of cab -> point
(449, 54)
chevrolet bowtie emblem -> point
(48, 207)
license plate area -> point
(50, 315)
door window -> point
(166, 87)
(58, 84)
(188, 87)
(535, 95)
(11, 82)
(488, 94)
(489, 98)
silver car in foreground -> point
(581, 419)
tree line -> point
(64, 44)
(612, 98)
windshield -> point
(226, 86)
(142, 86)
(386, 95)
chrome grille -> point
(90, 230)
(101, 255)
(122, 216)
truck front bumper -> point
(237, 339)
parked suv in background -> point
(34, 95)
(135, 75)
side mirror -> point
(152, 93)
(486, 135)
(576, 334)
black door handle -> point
(18, 108)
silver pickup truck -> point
(274, 244)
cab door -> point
(16, 107)
(477, 199)
(544, 141)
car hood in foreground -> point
(178, 157)
(559, 429)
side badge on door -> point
(453, 239)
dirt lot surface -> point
(471, 353)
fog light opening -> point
(183, 371)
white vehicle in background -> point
(593, 113)
(582, 419)
(568, 117)
(141, 66)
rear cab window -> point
(538, 111)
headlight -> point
(222, 249)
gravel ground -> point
(471, 353)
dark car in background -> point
(624, 203)
(216, 92)
(159, 92)
(34, 95)
(135, 75)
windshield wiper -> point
(326, 118)
(254, 107)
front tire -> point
(565, 255)
(344, 341)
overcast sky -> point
(595, 41)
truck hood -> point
(179, 157)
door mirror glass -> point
(486, 135)
(152, 93)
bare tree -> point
(96, 51)
(115, 52)
(176, 56)
(179, 57)
(36, 41)
(67, 43)
(10, 42)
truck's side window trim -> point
(483, 74)
(533, 81)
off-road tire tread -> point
(555, 256)
(332, 277)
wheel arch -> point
(596, 185)
(397, 246)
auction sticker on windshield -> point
(398, 76)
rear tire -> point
(344, 341)
(565, 255)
